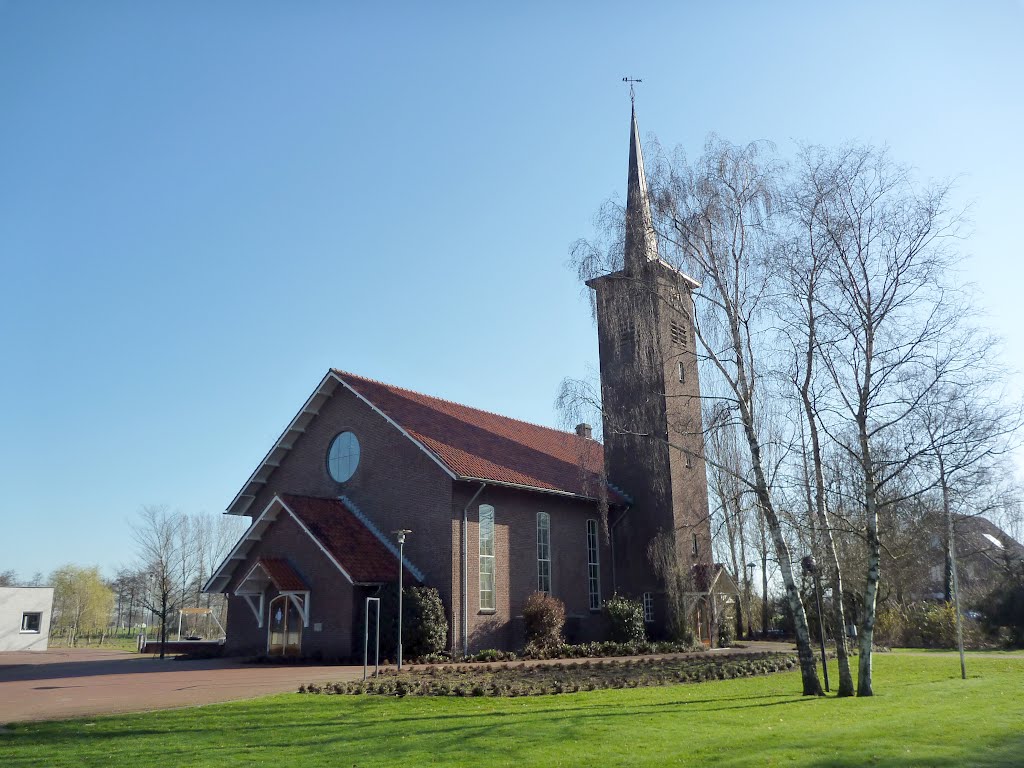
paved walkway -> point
(77, 682)
(82, 682)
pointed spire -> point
(641, 244)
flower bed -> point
(571, 677)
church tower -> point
(653, 438)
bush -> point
(890, 626)
(424, 625)
(725, 632)
(923, 625)
(625, 620)
(1003, 610)
(491, 654)
(544, 616)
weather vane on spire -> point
(632, 93)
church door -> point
(285, 631)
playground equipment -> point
(208, 613)
(193, 643)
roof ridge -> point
(567, 432)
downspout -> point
(465, 565)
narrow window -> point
(648, 607)
(682, 372)
(689, 461)
(696, 546)
(544, 552)
(31, 622)
(486, 557)
(593, 566)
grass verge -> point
(924, 715)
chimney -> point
(584, 430)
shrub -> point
(927, 625)
(725, 632)
(424, 625)
(890, 626)
(1003, 609)
(625, 620)
(491, 654)
(423, 613)
(544, 616)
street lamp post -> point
(401, 563)
(750, 602)
(812, 568)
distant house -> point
(985, 553)
(497, 508)
(25, 618)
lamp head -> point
(401, 534)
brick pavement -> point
(82, 682)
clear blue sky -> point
(203, 206)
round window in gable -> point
(343, 457)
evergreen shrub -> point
(625, 620)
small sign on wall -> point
(317, 627)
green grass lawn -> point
(923, 715)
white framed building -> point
(25, 618)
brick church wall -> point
(515, 524)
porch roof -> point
(282, 575)
(352, 543)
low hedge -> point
(608, 649)
(596, 650)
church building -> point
(496, 508)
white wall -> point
(15, 601)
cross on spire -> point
(632, 92)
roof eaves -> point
(523, 487)
(237, 505)
(247, 535)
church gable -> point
(380, 457)
(439, 438)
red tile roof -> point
(481, 445)
(283, 575)
(356, 548)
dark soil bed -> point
(531, 680)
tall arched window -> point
(593, 566)
(544, 552)
(487, 602)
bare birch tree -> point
(887, 314)
(803, 270)
(717, 215)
